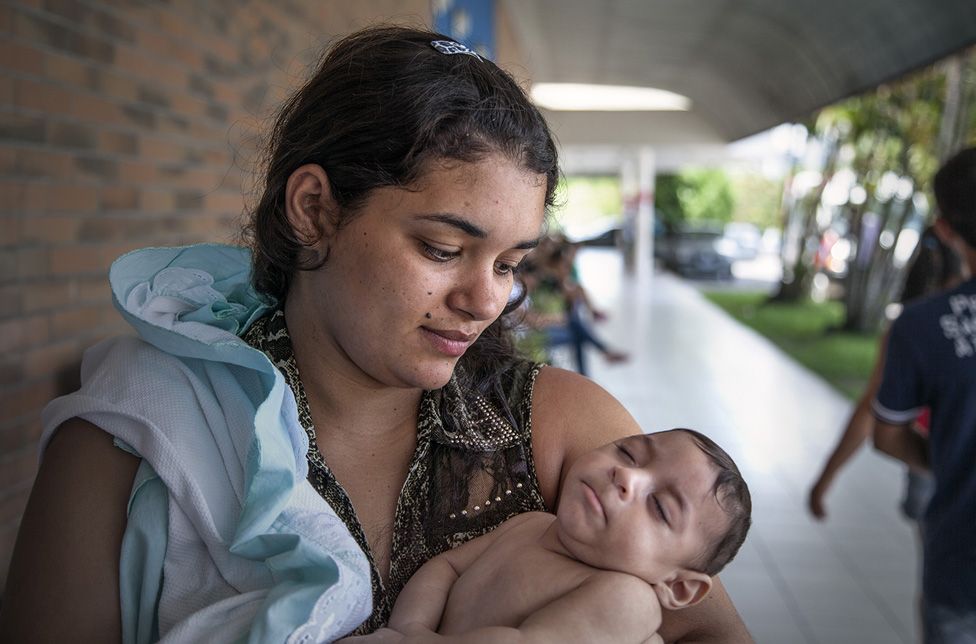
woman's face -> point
(416, 275)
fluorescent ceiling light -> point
(606, 98)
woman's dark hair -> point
(383, 104)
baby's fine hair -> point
(733, 497)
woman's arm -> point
(572, 415)
(63, 584)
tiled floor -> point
(851, 579)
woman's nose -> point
(482, 295)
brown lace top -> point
(460, 484)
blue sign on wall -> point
(471, 22)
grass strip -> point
(807, 332)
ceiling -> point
(746, 65)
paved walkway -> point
(850, 579)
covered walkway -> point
(850, 579)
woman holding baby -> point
(342, 402)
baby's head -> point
(670, 508)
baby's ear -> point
(685, 588)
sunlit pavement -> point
(849, 579)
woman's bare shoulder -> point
(571, 415)
(64, 575)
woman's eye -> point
(438, 254)
(503, 268)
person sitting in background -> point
(642, 523)
(557, 305)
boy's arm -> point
(422, 600)
(608, 607)
(903, 443)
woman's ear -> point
(685, 588)
(310, 206)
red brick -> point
(8, 160)
(76, 259)
(73, 198)
(68, 69)
(12, 297)
(23, 332)
(18, 468)
(45, 163)
(6, 90)
(51, 359)
(188, 105)
(118, 142)
(12, 193)
(11, 230)
(224, 202)
(24, 263)
(137, 172)
(45, 296)
(35, 196)
(76, 322)
(27, 399)
(119, 198)
(95, 109)
(133, 61)
(160, 150)
(149, 39)
(13, 502)
(20, 433)
(117, 86)
(92, 288)
(50, 229)
(43, 97)
(21, 58)
(156, 200)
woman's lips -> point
(448, 342)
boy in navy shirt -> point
(931, 362)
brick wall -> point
(124, 124)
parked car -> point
(698, 252)
(747, 237)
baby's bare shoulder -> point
(624, 591)
(621, 582)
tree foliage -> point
(882, 148)
(693, 196)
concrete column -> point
(630, 198)
(644, 248)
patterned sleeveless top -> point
(460, 484)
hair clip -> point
(451, 47)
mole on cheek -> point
(430, 292)
(427, 315)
